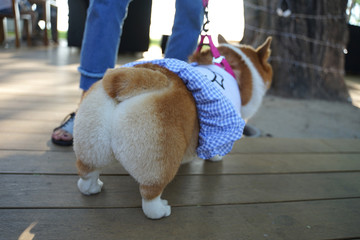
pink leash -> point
(218, 60)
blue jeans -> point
(104, 27)
(186, 29)
(101, 40)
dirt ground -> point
(293, 118)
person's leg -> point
(186, 29)
(100, 45)
(101, 39)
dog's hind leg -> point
(153, 206)
(89, 182)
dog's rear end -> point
(149, 125)
(145, 118)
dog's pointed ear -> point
(264, 51)
(221, 39)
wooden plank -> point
(40, 141)
(37, 162)
(37, 106)
(17, 86)
(275, 163)
(36, 98)
(51, 162)
(33, 107)
(269, 145)
(31, 142)
(281, 145)
(46, 162)
(335, 219)
(344, 145)
(47, 191)
(52, 115)
(29, 126)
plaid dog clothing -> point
(220, 121)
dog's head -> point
(250, 66)
(241, 58)
(237, 54)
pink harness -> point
(218, 60)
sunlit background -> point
(221, 17)
(353, 12)
(229, 21)
(226, 17)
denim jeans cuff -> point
(87, 82)
(87, 78)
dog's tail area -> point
(123, 83)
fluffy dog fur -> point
(145, 118)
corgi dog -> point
(146, 118)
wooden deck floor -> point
(267, 188)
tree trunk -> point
(307, 48)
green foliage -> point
(62, 35)
(353, 12)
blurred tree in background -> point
(309, 38)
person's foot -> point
(62, 135)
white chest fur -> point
(258, 88)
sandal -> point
(67, 125)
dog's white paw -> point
(156, 208)
(90, 184)
(216, 158)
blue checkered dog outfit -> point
(220, 124)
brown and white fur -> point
(145, 118)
